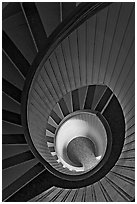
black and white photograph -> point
(68, 101)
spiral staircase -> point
(68, 66)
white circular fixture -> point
(81, 136)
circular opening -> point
(80, 141)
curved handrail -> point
(78, 16)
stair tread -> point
(11, 73)
(13, 150)
(68, 101)
(50, 197)
(45, 89)
(82, 96)
(81, 39)
(62, 65)
(115, 196)
(40, 197)
(59, 199)
(52, 122)
(90, 24)
(100, 196)
(101, 23)
(9, 104)
(119, 34)
(54, 61)
(75, 57)
(17, 30)
(11, 174)
(66, 50)
(50, 15)
(124, 187)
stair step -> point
(122, 186)
(110, 31)
(49, 14)
(88, 197)
(100, 196)
(34, 24)
(57, 69)
(114, 195)
(129, 138)
(90, 26)
(52, 122)
(105, 193)
(128, 153)
(11, 117)
(40, 109)
(129, 146)
(63, 107)
(128, 45)
(74, 195)
(51, 195)
(9, 104)
(49, 139)
(126, 162)
(75, 57)
(75, 100)
(101, 23)
(44, 96)
(118, 39)
(99, 91)
(11, 73)
(124, 172)
(81, 46)
(94, 195)
(79, 195)
(128, 68)
(17, 30)
(68, 101)
(15, 55)
(39, 100)
(66, 51)
(50, 134)
(126, 90)
(46, 79)
(39, 119)
(62, 66)
(13, 139)
(62, 195)
(51, 74)
(13, 150)
(11, 90)
(17, 159)
(129, 100)
(22, 180)
(40, 197)
(89, 97)
(130, 121)
(123, 178)
(12, 174)
(105, 97)
(55, 117)
(43, 89)
(9, 128)
(82, 92)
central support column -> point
(81, 151)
